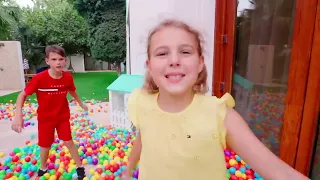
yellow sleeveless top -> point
(181, 146)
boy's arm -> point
(19, 104)
(17, 123)
(75, 95)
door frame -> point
(311, 105)
(298, 113)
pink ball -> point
(51, 166)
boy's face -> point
(56, 61)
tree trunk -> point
(70, 65)
(118, 67)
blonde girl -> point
(182, 132)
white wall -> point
(11, 66)
(77, 62)
(144, 15)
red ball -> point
(27, 159)
(249, 172)
(228, 165)
(99, 170)
(34, 161)
(30, 173)
(236, 166)
(15, 159)
(233, 177)
(52, 157)
(18, 169)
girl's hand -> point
(126, 175)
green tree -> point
(107, 28)
(9, 16)
(51, 22)
(57, 22)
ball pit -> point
(103, 150)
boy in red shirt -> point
(51, 87)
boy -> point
(51, 87)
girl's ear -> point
(201, 64)
(147, 65)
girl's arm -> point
(242, 140)
(135, 154)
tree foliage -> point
(107, 28)
(57, 22)
(9, 16)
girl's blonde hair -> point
(201, 84)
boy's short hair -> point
(56, 49)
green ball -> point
(2, 172)
(21, 177)
(52, 172)
(68, 176)
(81, 153)
(117, 178)
(228, 175)
(16, 150)
(42, 178)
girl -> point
(182, 132)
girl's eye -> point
(162, 54)
(185, 52)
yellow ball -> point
(105, 162)
(86, 178)
(91, 171)
(1, 154)
(117, 145)
(117, 159)
(125, 159)
(72, 161)
(53, 177)
(238, 174)
(232, 162)
(84, 161)
(47, 175)
(60, 170)
(70, 169)
(242, 162)
(244, 176)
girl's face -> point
(174, 62)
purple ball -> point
(94, 147)
(95, 161)
(136, 174)
(227, 153)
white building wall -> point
(144, 15)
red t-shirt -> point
(51, 95)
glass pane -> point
(263, 50)
(315, 168)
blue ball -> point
(243, 170)
(238, 158)
(232, 170)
